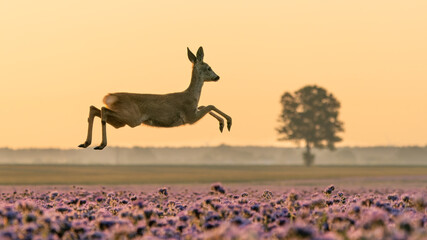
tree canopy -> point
(310, 115)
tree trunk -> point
(307, 155)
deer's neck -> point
(196, 84)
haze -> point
(60, 57)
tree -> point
(310, 115)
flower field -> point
(213, 212)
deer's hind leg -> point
(112, 118)
(93, 112)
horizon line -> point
(219, 145)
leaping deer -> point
(167, 110)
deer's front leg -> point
(228, 118)
(204, 110)
(220, 120)
(93, 112)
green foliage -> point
(311, 115)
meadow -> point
(212, 202)
(216, 211)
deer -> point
(158, 110)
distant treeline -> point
(220, 155)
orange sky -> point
(59, 57)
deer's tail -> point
(109, 100)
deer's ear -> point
(200, 54)
(191, 56)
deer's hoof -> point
(84, 145)
(100, 147)
(229, 126)
(221, 127)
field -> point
(188, 202)
(107, 175)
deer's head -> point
(204, 71)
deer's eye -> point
(209, 69)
